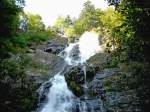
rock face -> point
(46, 64)
(75, 78)
(50, 65)
(118, 96)
(108, 89)
(56, 45)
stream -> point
(59, 97)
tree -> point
(136, 21)
(62, 23)
(88, 18)
(34, 22)
(111, 20)
(9, 16)
(68, 21)
(134, 41)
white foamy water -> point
(88, 45)
(81, 51)
(70, 54)
(60, 98)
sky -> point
(49, 10)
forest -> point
(124, 28)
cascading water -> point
(60, 98)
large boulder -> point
(75, 78)
(98, 61)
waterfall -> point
(60, 98)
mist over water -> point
(88, 45)
(60, 98)
(81, 51)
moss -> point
(76, 88)
(29, 102)
(21, 92)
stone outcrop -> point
(55, 46)
(107, 87)
(75, 78)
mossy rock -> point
(98, 61)
(75, 78)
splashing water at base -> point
(60, 98)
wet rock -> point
(106, 87)
(43, 91)
(75, 78)
(38, 80)
(74, 54)
(71, 56)
(106, 73)
(96, 85)
(95, 88)
(92, 105)
(55, 46)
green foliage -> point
(17, 31)
(60, 22)
(21, 40)
(89, 19)
(11, 69)
(32, 30)
(15, 86)
(111, 21)
(126, 30)
(70, 32)
(137, 16)
(76, 88)
(24, 39)
(34, 22)
(63, 25)
(133, 44)
(9, 22)
(9, 17)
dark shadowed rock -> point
(55, 46)
(75, 78)
(43, 91)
